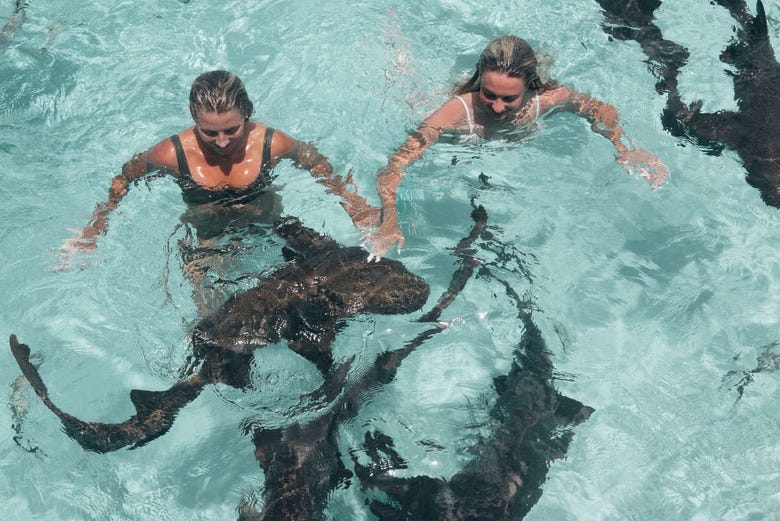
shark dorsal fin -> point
(301, 240)
(759, 22)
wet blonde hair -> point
(220, 92)
(514, 57)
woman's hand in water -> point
(367, 219)
(84, 241)
(646, 164)
(383, 239)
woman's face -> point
(500, 94)
(220, 131)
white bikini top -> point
(468, 115)
(470, 119)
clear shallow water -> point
(647, 299)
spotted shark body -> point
(307, 299)
(302, 462)
(305, 302)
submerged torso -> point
(524, 124)
(195, 193)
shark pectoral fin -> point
(499, 382)
(332, 385)
(709, 131)
(572, 412)
(316, 351)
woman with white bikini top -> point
(518, 123)
(494, 102)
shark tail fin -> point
(155, 410)
(21, 353)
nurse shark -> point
(752, 130)
(302, 462)
(305, 302)
(504, 478)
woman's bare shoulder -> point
(281, 142)
(163, 154)
(558, 95)
(451, 114)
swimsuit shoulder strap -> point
(267, 140)
(181, 159)
(537, 105)
(149, 165)
(468, 114)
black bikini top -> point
(193, 193)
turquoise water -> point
(655, 304)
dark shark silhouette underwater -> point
(504, 479)
(14, 21)
(305, 302)
(752, 130)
